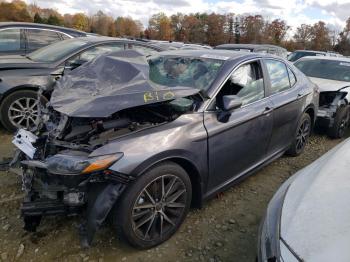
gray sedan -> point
(143, 140)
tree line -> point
(205, 28)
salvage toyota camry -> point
(142, 140)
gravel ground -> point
(225, 229)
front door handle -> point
(267, 110)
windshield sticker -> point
(344, 64)
(218, 57)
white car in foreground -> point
(308, 219)
(332, 75)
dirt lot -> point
(224, 230)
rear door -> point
(286, 99)
(12, 41)
(240, 142)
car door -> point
(12, 41)
(240, 142)
(37, 38)
(286, 101)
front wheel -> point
(154, 206)
(301, 136)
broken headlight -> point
(76, 164)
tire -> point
(125, 216)
(301, 136)
(341, 123)
(17, 101)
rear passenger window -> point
(278, 76)
(292, 77)
(39, 38)
(10, 39)
(246, 82)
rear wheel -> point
(301, 136)
(20, 110)
(154, 206)
(341, 123)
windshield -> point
(297, 55)
(195, 72)
(327, 69)
(56, 51)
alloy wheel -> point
(23, 112)
(303, 134)
(159, 207)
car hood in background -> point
(315, 219)
(110, 83)
(327, 85)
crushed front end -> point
(59, 177)
(329, 104)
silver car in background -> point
(308, 217)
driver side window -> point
(246, 82)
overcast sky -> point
(295, 12)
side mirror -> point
(231, 102)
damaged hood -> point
(110, 83)
(315, 216)
(327, 85)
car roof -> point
(250, 46)
(329, 58)
(219, 54)
(98, 39)
(311, 51)
(37, 25)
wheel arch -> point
(311, 111)
(18, 88)
(191, 170)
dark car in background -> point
(332, 76)
(22, 76)
(296, 55)
(144, 143)
(173, 45)
(23, 38)
(257, 48)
